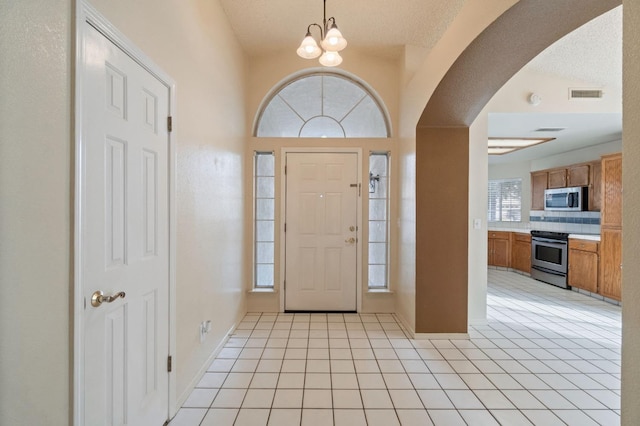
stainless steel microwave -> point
(566, 199)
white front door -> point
(124, 237)
(321, 231)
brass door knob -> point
(98, 298)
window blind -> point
(505, 200)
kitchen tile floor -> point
(547, 356)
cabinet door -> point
(538, 185)
(611, 263)
(490, 251)
(611, 191)
(558, 178)
(578, 175)
(521, 256)
(595, 187)
(583, 270)
(501, 253)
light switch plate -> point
(477, 223)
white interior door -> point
(124, 237)
(321, 231)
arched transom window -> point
(323, 105)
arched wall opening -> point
(443, 137)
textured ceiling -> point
(378, 26)
(592, 53)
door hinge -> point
(285, 169)
(285, 227)
(169, 124)
(169, 363)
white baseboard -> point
(406, 326)
(196, 379)
(441, 336)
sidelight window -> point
(264, 219)
(378, 220)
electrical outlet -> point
(203, 331)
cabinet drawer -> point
(585, 245)
(517, 236)
(499, 235)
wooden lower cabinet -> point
(521, 252)
(611, 263)
(499, 248)
(583, 265)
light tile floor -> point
(546, 357)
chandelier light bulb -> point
(330, 59)
(309, 48)
(334, 40)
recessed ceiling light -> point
(500, 151)
(499, 146)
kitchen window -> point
(264, 220)
(505, 200)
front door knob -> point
(350, 240)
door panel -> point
(321, 241)
(124, 237)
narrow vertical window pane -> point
(264, 219)
(378, 220)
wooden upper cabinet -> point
(578, 175)
(611, 191)
(538, 185)
(557, 178)
(595, 187)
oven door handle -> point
(545, 240)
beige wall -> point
(477, 249)
(442, 174)
(193, 43)
(631, 219)
(35, 212)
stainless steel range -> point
(549, 257)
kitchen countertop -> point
(592, 237)
(520, 230)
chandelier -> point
(331, 42)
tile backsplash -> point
(571, 222)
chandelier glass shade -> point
(331, 42)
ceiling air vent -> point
(585, 93)
(549, 129)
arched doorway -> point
(442, 137)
